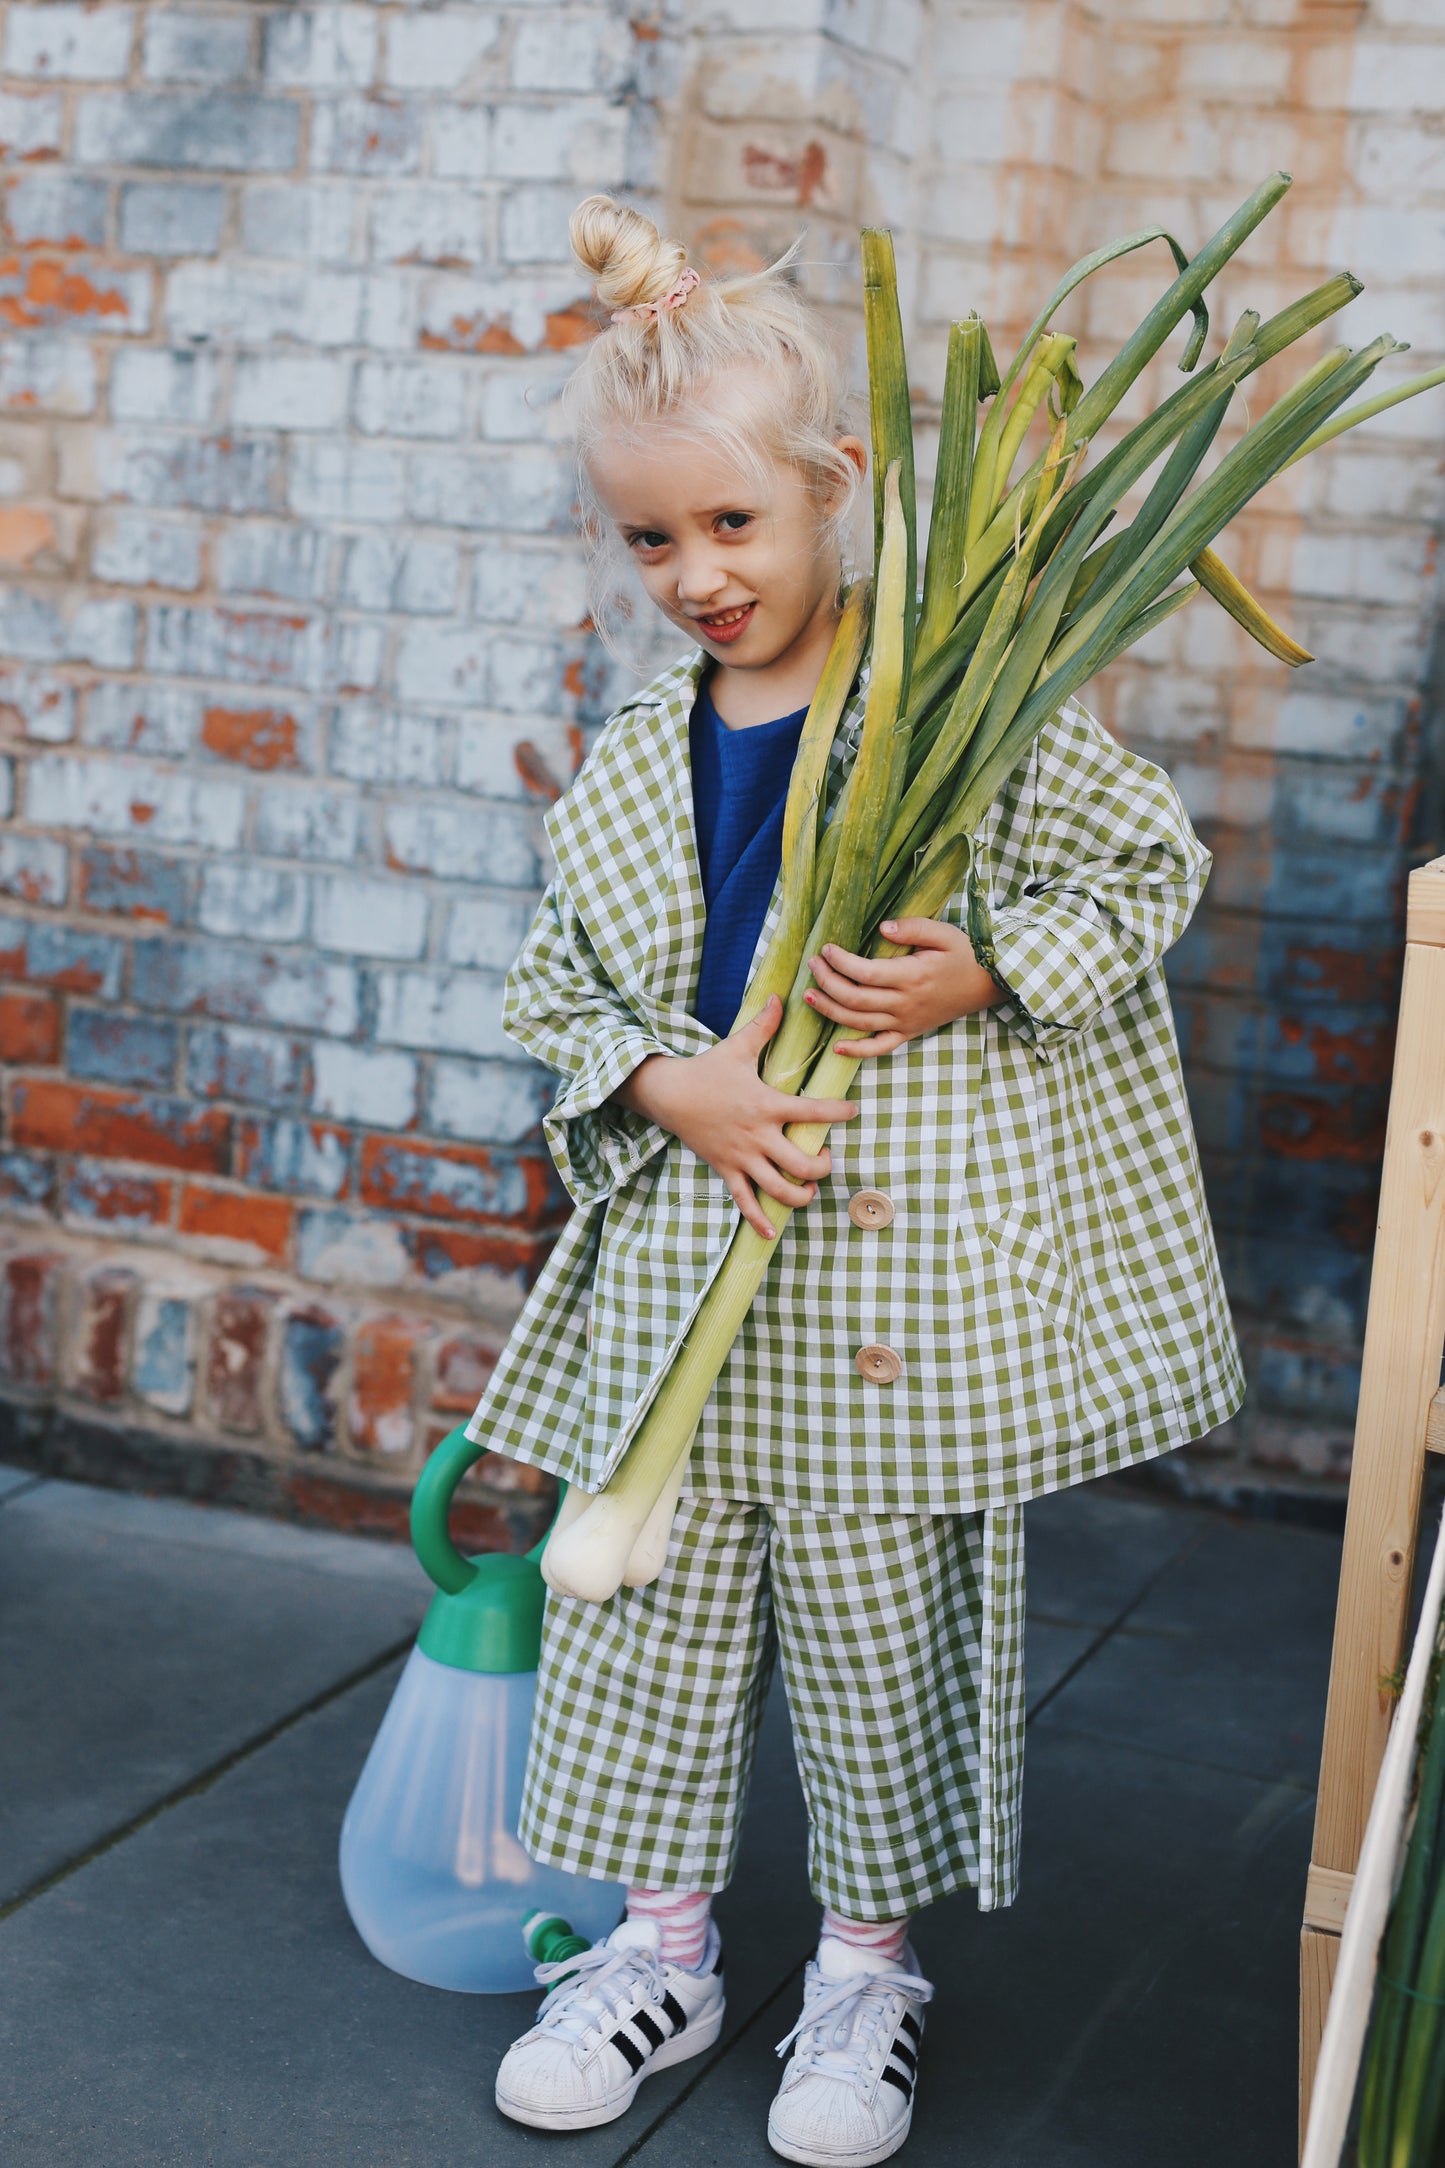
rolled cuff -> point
(596, 1144)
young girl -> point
(1004, 1280)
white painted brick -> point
(42, 706)
(390, 311)
(570, 52)
(437, 51)
(171, 218)
(523, 676)
(106, 633)
(48, 375)
(372, 745)
(528, 492)
(522, 406)
(290, 391)
(443, 662)
(77, 43)
(364, 917)
(30, 125)
(314, 221)
(332, 479)
(209, 130)
(36, 868)
(487, 753)
(576, 140)
(1365, 568)
(162, 720)
(251, 303)
(11, 857)
(366, 135)
(309, 821)
(1397, 75)
(135, 550)
(516, 586)
(150, 385)
(384, 572)
(487, 1102)
(333, 1247)
(259, 903)
(182, 47)
(56, 210)
(134, 798)
(534, 224)
(241, 647)
(488, 930)
(446, 1011)
(426, 224)
(460, 142)
(354, 656)
(264, 558)
(364, 1084)
(411, 398)
(326, 48)
(472, 842)
(1400, 162)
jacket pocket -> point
(1043, 1269)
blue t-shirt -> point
(739, 789)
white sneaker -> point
(846, 2099)
(613, 2015)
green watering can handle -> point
(431, 1503)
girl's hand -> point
(894, 998)
(722, 1110)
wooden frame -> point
(1401, 1417)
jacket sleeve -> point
(560, 1006)
(1113, 873)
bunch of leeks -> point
(1025, 596)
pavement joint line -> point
(708, 2064)
(22, 1490)
(1183, 1761)
(202, 1782)
(1107, 1633)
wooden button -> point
(879, 1365)
(870, 1208)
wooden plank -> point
(1425, 911)
(1319, 1953)
(1327, 1898)
(1404, 1335)
(1435, 1424)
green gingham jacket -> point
(1048, 1281)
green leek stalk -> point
(1012, 624)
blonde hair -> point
(659, 368)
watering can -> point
(436, 1882)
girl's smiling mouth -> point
(728, 625)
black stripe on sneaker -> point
(633, 2053)
(649, 2028)
(912, 2027)
(906, 2056)
(905, 2085)
(673, 2011)
(717, 1968)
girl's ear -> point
(855, 451)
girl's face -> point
(738, 557)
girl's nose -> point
(699, 579)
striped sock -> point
(884, 1938)
(681, 1922)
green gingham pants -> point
(901, 1645)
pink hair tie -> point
(648, 311)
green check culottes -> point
(901, 1639)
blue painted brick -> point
(304, 1159)
(230, 1062)
(312, 1343)
(137, 884)
(51, 955)
(25, 1181)
(121, 1049)
(163, 1366)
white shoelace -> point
(602, 1980)
(833, 2049)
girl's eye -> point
(735, 521)
(648, 540)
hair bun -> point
(627, 256)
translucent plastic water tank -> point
(431, 1868)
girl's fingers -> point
(922, 933)
(837, 988)
(773, 1184)
(863, 970)
(818, 1110)
(877, 1016)
(805, 1167)
(882, 1042)
(742, 1196)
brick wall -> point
(294, 650)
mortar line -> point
(22, 1490)
(202, 1782)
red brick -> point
(459, 1181)
(383, 1383)
(236, 1357)
(262, 738)
(29, 1028)
(99, 1355)
(61, 1117)
(29, 1300)
(439, 1250)
(231, 1215)
(25, 531)
(463, 1368)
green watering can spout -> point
(487, 1612)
